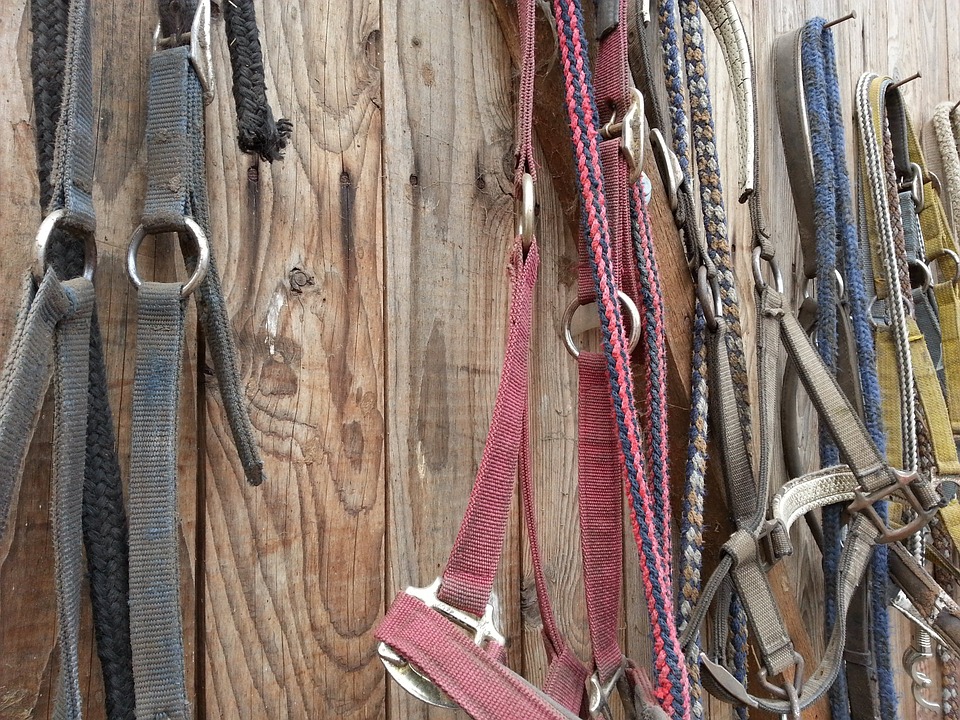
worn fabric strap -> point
(176, 188)
(70, 376)
(155, 620)
(478, 682)
(51, 339)
(809, 108)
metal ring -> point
(567, 330)
(43, 238)
(947, 252)
(525, 211)
(908, 306)
(841, 286)
(758, 278)
(203, 254)
(924, 270)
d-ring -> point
(567, 330)
(948, 253)
(43, 238)
(203, 254)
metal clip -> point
(526, 212)
(725, 679)
(201, 55)
(671, 173)
(598, 694)
(409, 677)
(630, 130)
(915, 185)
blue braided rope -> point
(570, 16)
(714, 213)
(825, 220)
(651, 295)
(825, 115)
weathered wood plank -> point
(294, 568)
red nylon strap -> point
(600, 499)
(469, 575)
(477, 682)
(526, 10)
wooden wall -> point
(365, 275)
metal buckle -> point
(766, 543)
(952, 255)
(43, 238)
(863, 503)
(758, 278)
(671, 173)
(409, 677)
(915, 185)
(525, 208)
(630, 130)
(201, 53)
(598, 693)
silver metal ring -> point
(758, 278)
(203, 254)
(841, 286)
(43, 239)
(925, 271)
(947, 252)
(567, 330)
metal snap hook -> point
(567, 329)
(43, 239)
(203, 254)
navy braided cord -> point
(837, 233)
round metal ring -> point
(567, 330)
(203, 254)
(947, 252)
(758, 278)
(924, 270)
(43, 239)
(841, 286)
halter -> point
(762, 527)
(136, 615)
(808, 102)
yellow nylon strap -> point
(939, 245)
(946, 294)
(873, 231)
(933, 405)
(889, 375)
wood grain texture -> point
(365, 275)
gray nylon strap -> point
(51, 338)
(926, 312)
(26, 375)
(71, 373)
(155, 622)
(177, 188)
(72, 176)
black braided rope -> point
(258, 132)
(104, 518)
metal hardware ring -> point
(43, 238)
(567, 330)
(203, 254)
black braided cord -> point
(104, 518)
(258, 132)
